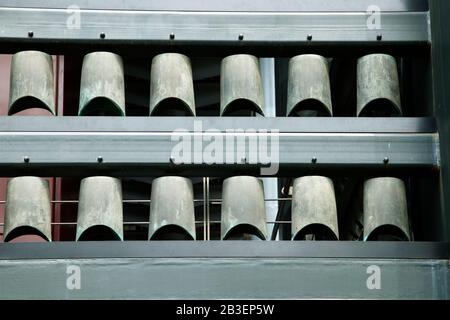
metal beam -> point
(143, 146)
(226, 249)
(31, 27)
(231, 5)
(224, 270)
(169, 124)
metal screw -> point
(26, 159)
(309, 37)
(99, 159)
(30, 34)
(379, 37)
(314, 160)
(244, 160)
(102, 35)
(386, 160)
(241, 37)
(172, 36)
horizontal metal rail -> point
(129, 146)
(225, 249)
(228, 6)
(46, 27)
(145, 201)
(136, 145)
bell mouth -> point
(387, 233)
(172, 107)
(380, 108)
(99, 233)
(242, 108)
(25, 231)
(171, 232)
(26, 103)
(315, 232)
(244, 231)
(101, 106)
(310, 108)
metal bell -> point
(172, 215)
(28, 209)
(241, 88)
(243, 209)
(378, 89)
(309, 92)
(102, 87)
(171, 86)
(100, 213)
(32, 84)
(385, 210)
(314, 212)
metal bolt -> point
(309, 37)
(241, 37)
(26, 159)
(99, 159)
(379, 37)
(102, 35)
(172, 36)
(243, 160)
(386, 160)
(314, 160)
(30, 34)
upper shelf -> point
(229, 6)
(262, 28)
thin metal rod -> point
(147, 222)
(208, 231)
(212, 201)
(204, 209)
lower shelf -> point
(225, 270)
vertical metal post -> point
(267, 69)
(208, 226)
(204, 210)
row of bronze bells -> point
(172, 216)
(102, 88)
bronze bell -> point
(241, 88)
(32, 84)
(171, 86)
(102, 87)
(28, 208)
(309, 92)
(100, 212)
(243, 209)
(172, 215)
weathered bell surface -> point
(314, 212)
(172, 215)
(309, 91)
(378, 88)
(28, 208)
(241, 89)
(385, 210)
(32, 84)
(100, 213)
(102, 87)
(243, 209)
(171, 86)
